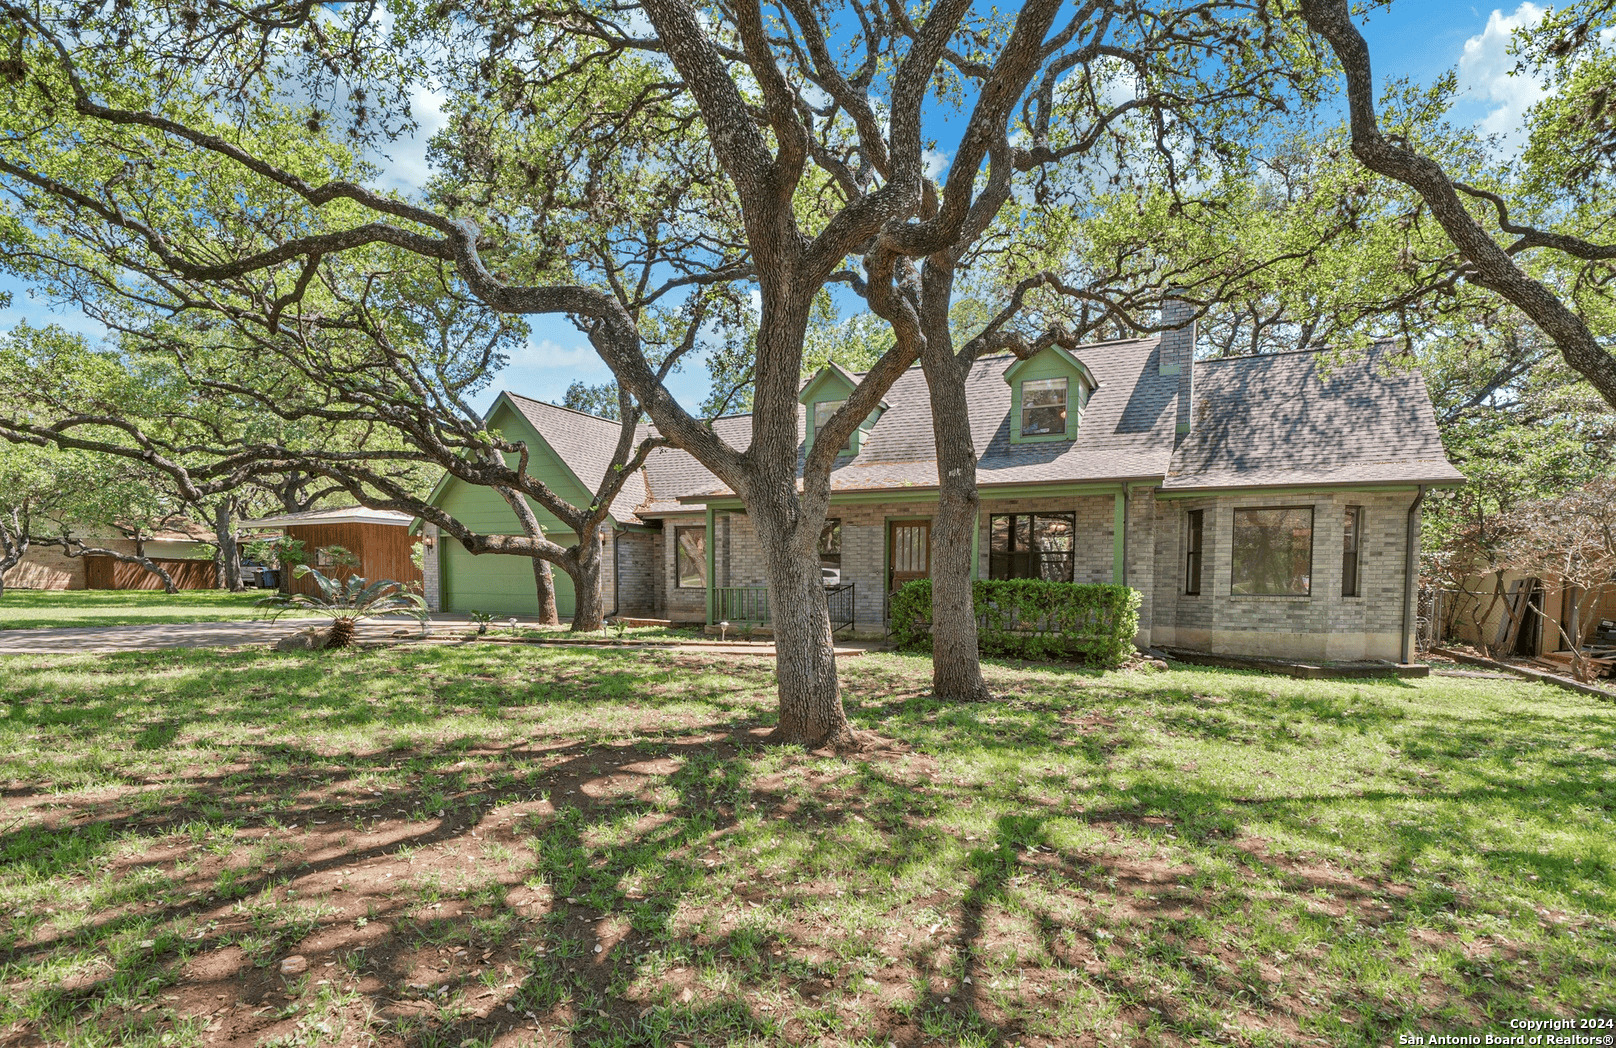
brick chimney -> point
(1177, 354)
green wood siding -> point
(500, 583)
(1046, 365)
(830, 385)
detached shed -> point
(380, 538)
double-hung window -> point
(690, 549)
(1194, 533)
(830, 544)
(1043, 406)
(823, 410)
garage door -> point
(498, 583)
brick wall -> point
(681, 605)
(46, 569)
(1322, 625)
(636, 560)
(1139, 556)
(431, 567)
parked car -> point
(831, 576)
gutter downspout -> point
(1411, 577)
(617, 575)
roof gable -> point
(831, 382)
(1048, 353)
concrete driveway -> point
(101, 639)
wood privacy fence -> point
(384, 552)
(107, 573)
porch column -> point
(712, 550)
(1119, 548)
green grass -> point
(22, 609)
(497, 844)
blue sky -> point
(1418, 39)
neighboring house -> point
(379, 538)
(48, 568)
(1532, 617)
(1262, 505)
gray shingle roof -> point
(1126, 429)
(671, 474)
(585, 443)
(1287, 419)
(1274, 420)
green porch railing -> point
(749, 605)
(741, 605)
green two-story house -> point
(1264, 505)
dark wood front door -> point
(910, 545)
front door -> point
(910, 543)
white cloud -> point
(1487, 72)
(404, 164)
(548, 355)
(935, 162)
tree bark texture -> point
(544, 589)
(14, 541)
(956, 667)
(589, 609)
(227, 558)
(811, 713)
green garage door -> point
(498, 583)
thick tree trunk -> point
(589, 610)
(13, 545)
(811, 713)
(544, 587)
(956, 668)
(227, 559)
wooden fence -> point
(108, 573)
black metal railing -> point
(839, 599)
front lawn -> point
(22, 609)
(497, 845)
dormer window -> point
(1048, 394)
(823, 410)
(1043, 406)
(823, 396)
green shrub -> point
(1032, 618)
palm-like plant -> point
(347, 603)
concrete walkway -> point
(92, 640)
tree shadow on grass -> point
(630, 858)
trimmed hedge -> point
(1032, 618)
